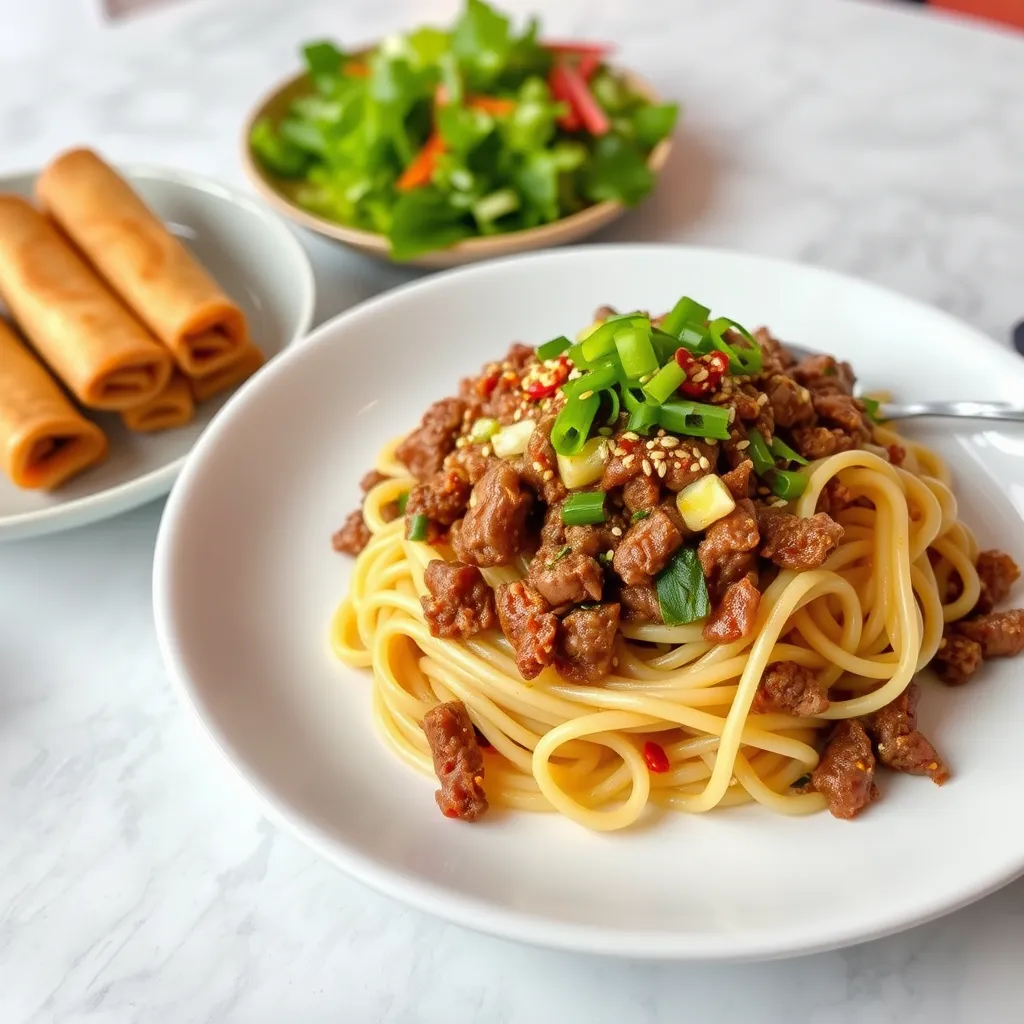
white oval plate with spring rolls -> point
(733, 884)
(261, 267)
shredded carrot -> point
(421, 169)
(496, 106)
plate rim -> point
(155, 483)
(472, 912)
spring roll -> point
(231, 376)
(104, 356)
(143, 262)
(173, 407)
(44, 439)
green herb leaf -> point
(682, 590)
(652, 124)
(639, 514)
(323, 59)
(424, 219)
(618, 170)
(276, 154)
(482, 42)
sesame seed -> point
(472, 501)
(732, 416)
(661, 433)
(462, 442)
(585, 395)
(517, 415)
(670, 442)
(548, 474)
(649, 446)
(575, 374)
(708, 440)
(699, 375)
(604, 453)
(779, 502)
(628, 461)
(762, 400)
(695, 452)
(704, 464)
(616, 531)
(615, 662)
(764, 491)
(630, 436)
(694, 467)
(538, 467)
(657, 456)
(610, 553)
(662, 469)
(646, 467)
(618, 450)
(485, 450)
(740, 445)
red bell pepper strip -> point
(589, 63)
(570, 120)
(421, 169)
(568, 84)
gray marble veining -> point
(138, 881)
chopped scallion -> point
(787, 484)
(611, 396)
(664, 383)
(584, 508)
(604, 375)
(759, 453)
(636, 353)
(643, 418)
(602, 342)
(640, 513)
(781, 450)
(695, 419)
(871, 409)
(418, 528)
(553, 348)
(483, 430)
(746, 358)
(685, 311)
(572, 425)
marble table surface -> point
(138, 880)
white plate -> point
(243, 602)
(259, 262)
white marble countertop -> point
(138, 880)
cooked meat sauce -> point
(598, 532)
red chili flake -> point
(656, 758)
(544, 379)
(703, 373)
(486, 384)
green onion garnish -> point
(636, 353)
(614, 406)
(685, 311)
(601, 377)
(576, 356)
(562, 552)
(695, 419)
(742, 358)
(781, 450)
(682, 590)
(572, 425)
(871, 407)
(402, 501)
(640, 513)
(584, 508)
(787, 484)
(696, 338)
(602, 342)
(665, 345)
(664, 383)
(759, 453)
(418, 528)
(553, 348)
(643, 419)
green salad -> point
(436, 136)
